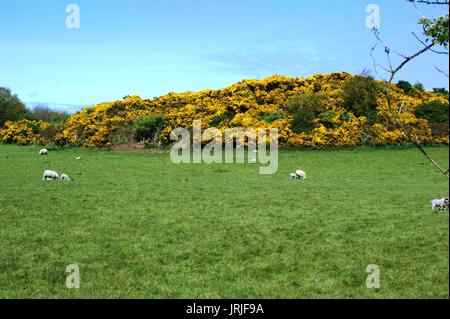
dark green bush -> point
(46, 114)
(419, 87)
(360, 95)
(271, 117)
(216, 120)
(146, 128)
(11, 108)
(124, 135)
(405, 86)
(304, 110)
(347, 117)
(433, 112)
(441, 91)
(326, 118)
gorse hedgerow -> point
(263, 103)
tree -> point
(433, 112)
(435, 34)
(437, 115)
(11, 108)
(146, 128)
(44, 113)
(304, 110)
(419, 87)
(360, 95)
(405, 86)
(442, 91)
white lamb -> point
(441, 203)
(50, 175)
(65, 178)
(43, 152)
(293, 176)
(300, 174)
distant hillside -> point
(263, 103)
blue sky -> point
(152, 47)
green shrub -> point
(124, 135)
(360, 95)
(442, 91)
(433, 112)
(347, 117)
(11, 107)
(304, 110)
(271, 117)
(419, 87)
(46, 114)
(405, 86)
(326, 118)
(147, 127)
(216, 120)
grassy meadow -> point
(139, 226)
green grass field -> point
(139, 226)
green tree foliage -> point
(442, 91)
(11, 108)
(146, 128)
(123, 135)
(216, 120)
(360, 95)
(326, 118)
(433, 112)
(44, 113)
(405, 86)
(271, 117)
(304, 110)
(436, 30)
(418, 87)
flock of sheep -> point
(442, 203)
(50, 175)
(299, 174)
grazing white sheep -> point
(441, 203)
(300, 174)
(78, 158)
(43, 152)
(65, 178)
(50, 175)
(293, 175)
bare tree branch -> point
(408, 59)
(443, 72)
(425, 45)
(393, 71)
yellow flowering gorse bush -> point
(245, 104)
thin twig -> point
(424, 44)
(443, 72)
